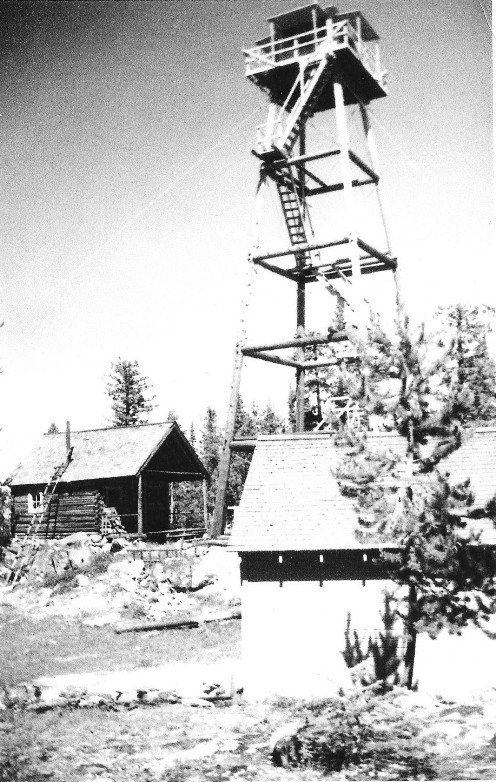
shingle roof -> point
(476, 459)
(292, 502)
(98, 453)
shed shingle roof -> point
(292, 502)
(98, 453)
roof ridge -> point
(108, 428)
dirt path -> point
(29, 649)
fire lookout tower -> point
(313, 60)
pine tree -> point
(210, 449)
(407, 501)
(244, 427)
(267, 421)
(468, 382)
(127, 389)
(186, 496)
(53, 429)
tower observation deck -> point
(302, 38)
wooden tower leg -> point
(300, 310)
(374, 159)
(347, 176)
(225, 459)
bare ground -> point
(175, 742)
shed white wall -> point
(293, 635)
(293, 638)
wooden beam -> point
(242, 445)
(224, 462)
(276, 269)
(140, 504)
(310, 271)
(334, 363)
(363, 166)
(205, 506)
(197, 475)
(339, 186)
(272, 359)
(301, 299)
(317, 339)
(391, 262)
(293, 161)
(301, 248)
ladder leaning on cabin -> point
(29, 547)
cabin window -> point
(36, 503)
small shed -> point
(124, 472)
(304, 571)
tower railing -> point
(329, 38)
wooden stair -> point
(316, 77)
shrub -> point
(383, 651)
(368, 732)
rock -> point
(200, 703)
(150, 697)
(126, 698)
(81, 580)
(98, 700)
(17, 695)
(131, 569)
(168, 696)
(285, 746)
(158, 572)
(76, 540)
(73, 693)
(118, 544)
(363, 673)
(51, 697)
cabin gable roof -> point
(114, 452)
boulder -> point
(118, 544)
(127, 698)
(285, 744)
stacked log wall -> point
(70, 512)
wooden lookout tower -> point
(315, 60)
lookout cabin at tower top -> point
(305, 35)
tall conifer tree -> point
(128, 390)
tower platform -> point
(308, 34)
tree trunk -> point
(411, 633)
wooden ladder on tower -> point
(314, 77)
(30, 544)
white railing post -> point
(377, 63)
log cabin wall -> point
(71, 510)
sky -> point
(126, 131)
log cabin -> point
(305, 571)
(122, 474)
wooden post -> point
(68, 436)
(205, 506)
(172, 505)
(347, 176)
(300, 308)
(140, 504)
(225, 459)
(374, 159)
